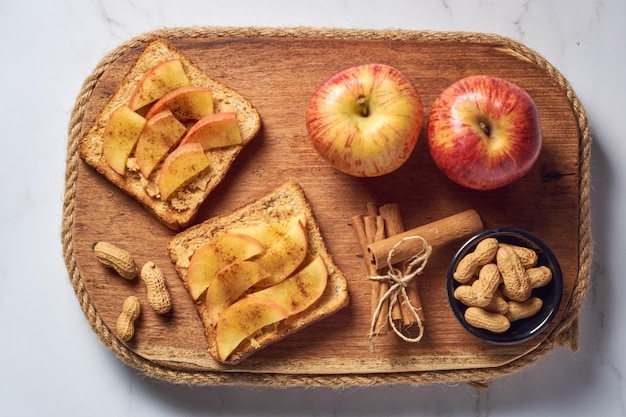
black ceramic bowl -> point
(524, 329)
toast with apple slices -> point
(281, 205)
(157, 58)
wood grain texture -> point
(278, 75)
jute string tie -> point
(398, 281)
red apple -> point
(484, 132)
(365, 120)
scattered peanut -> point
(482, 319)
(514, 275)
(116, 258)
(528, 308)
(483, 254)
(125, 325)
(158, 294)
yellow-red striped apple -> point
(365, 120)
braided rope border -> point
(565, 332)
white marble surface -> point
(54, 365)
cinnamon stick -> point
(372, 209)
(369, 229)
(358, 225)
(437, 233)
(375, 229)
(394, 226)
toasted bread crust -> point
(283, 202)
(180, 210)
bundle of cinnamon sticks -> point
(378, 224)
(379, 232)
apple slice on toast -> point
(215, 131)
(286, 247)
(299, 291)
(180, 167)
(120, 137)
(161, 79)
(186, 103)
(160, 134)
(215, 255)
(230, 283)
(242, 320)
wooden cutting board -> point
(278, 74)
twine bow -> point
(398, 280)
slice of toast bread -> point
(180, 210)
(284, 202)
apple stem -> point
(485, 128)
(362, 101)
